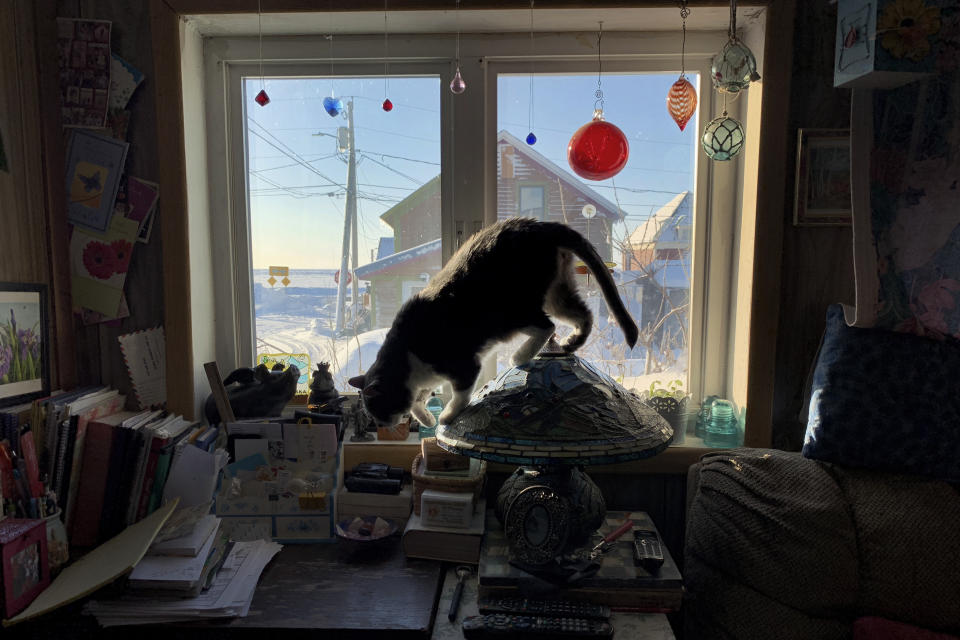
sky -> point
(298, 178)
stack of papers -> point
(230, 594)
(179, 572)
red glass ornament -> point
(681, 101)
(598, 150)
(262, 98)
(387, 105)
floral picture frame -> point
(24, 343)
(823, 196)
(25, 565)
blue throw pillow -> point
(885, 400)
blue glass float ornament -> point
(722, 138)
(457, 85)
(333, 106)
(734, 68)
(531, 139)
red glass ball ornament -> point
(598, 150)
(262, 98)
(681, 101)
(387, 105)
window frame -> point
(234, 304)
(185, 308)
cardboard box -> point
(396, 453)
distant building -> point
(528, 185)
(656, 259)
(406, 262)
(532, 186)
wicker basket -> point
(473, 484)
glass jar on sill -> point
(722, 427)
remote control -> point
(503, 626)
(548, 608)
(647, 550)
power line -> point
(399, 135)
(387, 155)
(283, 148)
(389, 168)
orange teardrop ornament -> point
(682, 101)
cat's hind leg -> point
(565, 303)
(538, 334)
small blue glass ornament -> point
(531, 139)
(734, 68)
(333, 106)
(722, 138)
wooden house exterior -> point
(529, 184)
(406, 263)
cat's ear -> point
(357, 382)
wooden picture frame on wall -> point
(822, 196)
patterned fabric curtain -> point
(906, 200)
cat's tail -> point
(572, 240)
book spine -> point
(66, 463)
(33, 469)
(133, 492)
(160, 479)
(149, 474)
(91, 490)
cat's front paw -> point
(423, 416)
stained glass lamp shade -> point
(556, 410)
(553, 415)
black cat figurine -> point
(255, 392)
(515, 276)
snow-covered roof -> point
(402, 257)
(675, 213)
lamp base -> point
(548, 512)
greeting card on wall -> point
(94, 166)
(83, 47)
(124, 80)
(142, 196)
(98, 265)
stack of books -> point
(107, 467)
(182, 566)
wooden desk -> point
(305, 591)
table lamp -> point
(553, 415)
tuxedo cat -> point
(515, 276)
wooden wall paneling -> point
(165, 33)
(64, 355)
(817, 268)
(772, 187)
(130, 39)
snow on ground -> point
(350, 356)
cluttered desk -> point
(284, 524)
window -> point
(532, 202)
(438, 167)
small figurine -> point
(257, 392)
(322, 390)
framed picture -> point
(25, 565)
(24, 343)
(823, 178)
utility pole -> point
(349, 228)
